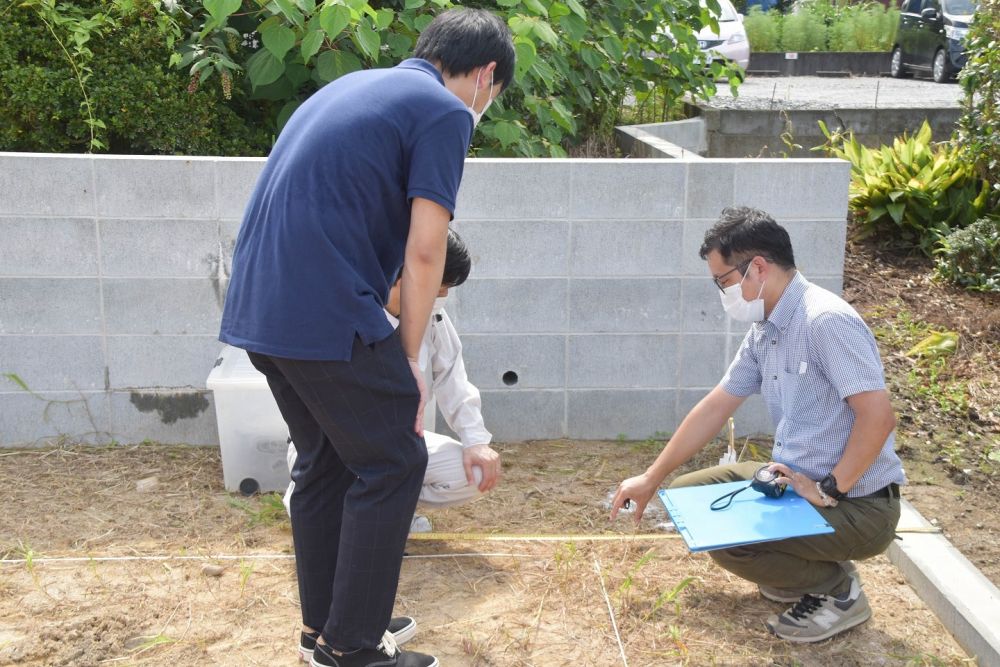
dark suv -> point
(930, 37)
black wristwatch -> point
(829, 486)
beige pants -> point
(445, 484)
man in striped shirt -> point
(817, 366)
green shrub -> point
(979, 125)
(911, 194)
(763, 30)
(578, 60)
(864, 28)
(95, 76)
(803, 31)
(970, 257)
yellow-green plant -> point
(912, 193)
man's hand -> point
(418, 375)
(803, 486)
(639, 490)
(488, 461)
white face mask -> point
(478, 115)
(739, 308)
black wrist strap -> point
(728, 498)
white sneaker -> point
(420, 524)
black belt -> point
(891, 491)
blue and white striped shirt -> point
(812, 353)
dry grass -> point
(478, 603)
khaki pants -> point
(864, 527)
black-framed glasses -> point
(745, 265)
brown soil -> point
(477, 602)
(949, 423)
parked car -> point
(931, 38)
(731, 41)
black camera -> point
(765, 481)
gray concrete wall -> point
(586, 284)
(740, 133)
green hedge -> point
(822, 26)
(139, 105)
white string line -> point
(611, 613)
(119, 559)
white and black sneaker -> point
(386, 654)
(817, 617)
(402, 628)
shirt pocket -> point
(799, 400)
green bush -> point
(864, 28)
(970, 257)
(763, 29)
(911, 194)
(96, 77)
(979, 126)
(578, 60)
(822, 25)
(803, 31)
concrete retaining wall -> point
(587, 285)
(821, 63)
(745, 133)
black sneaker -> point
(403, 628)
(386, 654)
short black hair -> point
(460, 40)
(742, 233)
(457, 261)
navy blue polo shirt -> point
(324, 232)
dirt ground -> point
(478, 602)
(948, 434)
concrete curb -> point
(965, 601)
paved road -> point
(814, 92)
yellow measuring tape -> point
(527, 537)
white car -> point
(731, 41)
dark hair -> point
(460, 40)
(457, 261)
(743, 233)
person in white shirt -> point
(458, 471)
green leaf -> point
(577, 8)
(311, 43)
(399, 45)
(414, 4)
(536, 7)
(937, 344)
(896, 211)
(506, 132)
(286, 112)
(384, 18)
(16, 379)
(544, 32)
(574, 26)
(333, 19)
(526, 55)
(263, 68)
(221, 9)
(278, 39)
(290, 12)
(368, 39)
(333, 64)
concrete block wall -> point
(588, 314)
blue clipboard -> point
(752, 517)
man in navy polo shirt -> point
(362, 181)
